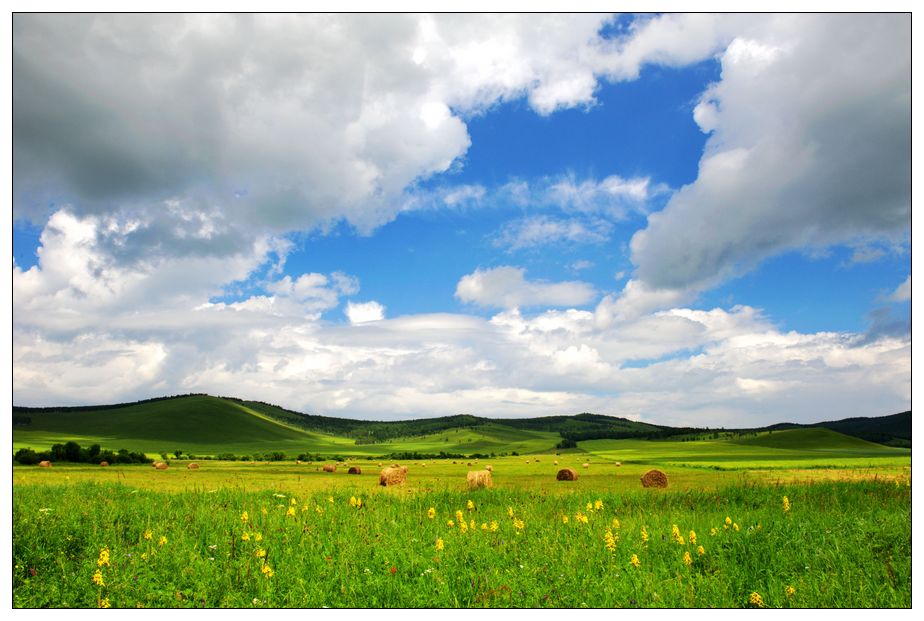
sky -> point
(698, 219)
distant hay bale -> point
(104, 464)
(355, 470)
(489, 468)
(330, 468)
(298, 462)
(556, 462)
(394, 475)
(479, 478)
(618, 464)
(453, 461)
(380, 464)
(192, 466)
(585, 465)
(161, 466)
(423, 465)
(567, 474)
(45, 464)
(654, 478)
(537, 460)
(154, 465)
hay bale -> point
(586, 465)
(380, 464)
(161, 466)
(193, 466)
(556, 462)
(479, 478)
(298, 462)
(355, 470)
(489, 468)
(618, 464)
(330, 468)
(654, 478)
(393, 476)
(567, 474)
(104, 464)
(154, 465)
(45, 464)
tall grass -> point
(841, 544)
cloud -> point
(903, 292)
(506, 287)
(788, 167)
(364, 312)
(537, 231)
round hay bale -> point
(479, 478)
(380, 464)
(330, 468)
(298, 462)
(192, 466)
(45, 464)
(395, 475)
(161, 466)
(104, 464)
(567, 474)
(355, 470)
(585, 465)
(618, 464)
(654, 478)
(154, 465)
(556, 462)
(489, 468)
(469, 463)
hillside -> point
(211, 425)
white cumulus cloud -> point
(507, 287)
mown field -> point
(180, 538)
(802, 518)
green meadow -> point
(801, 518)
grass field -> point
(349, 543)
(281, 534)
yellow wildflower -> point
(450, 523)
(484, 526)
(459, 516)
(580, 517)
(439, 544)
(728, 521)
(687, 559)
(471, 525)
(318, 509)
(644, 535)
(564, 519)
(693, 537)
(259, 553)
(148, 534)
(635, 562)
(244, 518)
(700, 550)
(257, 537)
(330, 499)
(518, 524)
(616, 523)
(713, 532)
(290, 512)
(736, 527)
(756, 600)
(263, 510)
(470, 505)
(790, 591)
(786, 505)
(609, 540)
(103, 559)
(431, 513)
(162, 540)
(292, 501)
(144, 556)
(352, 501)
(104, 603)
(494, 526)
(98, 578)
(598, 505)
(245, 536)
(463, 527)
(590, 506)
(510, 511)
(267, 570)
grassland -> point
(179, 538)
(841, 544)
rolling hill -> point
(207, 425)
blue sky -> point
(648, 217)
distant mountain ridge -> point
(892, 430)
